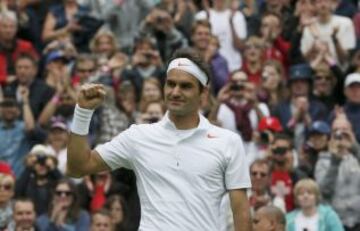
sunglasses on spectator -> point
(63, 193)
(261, 174)
(6, 187)
(280, 150)
(86, 70)
(256, 46)
(322, 78)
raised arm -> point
(81, 160)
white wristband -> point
(81, 121)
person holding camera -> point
(240, 109)
(38, 178)
(338, 174)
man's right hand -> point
(91, 96)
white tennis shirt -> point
(181, 175)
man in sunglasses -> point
(260, 181)
(283, 175)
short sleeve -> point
(237, 166)
(240, 25)
(117, 152)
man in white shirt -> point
(230, 28)
(183, 164)
(329, 33)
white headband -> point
(190, 67)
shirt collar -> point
(204, 124)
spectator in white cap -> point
(352, 105)
(38, 178)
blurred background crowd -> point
(285, 76)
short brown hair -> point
(198, 23)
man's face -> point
(323, 7)
(182, 93)
(201, 37)
(319, 141)
(151, 92)
(299, 87)
(281, 151)
(323, 84)
(58, 136)
(85, 69)
(253, 51)
(25, 71)
(24, 215)
(8, 29)
(261, 222)
(101, 223)
(270, 24)
(352, 93)
(260, 177)
(9, 114)
(238, 79)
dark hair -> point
(195, 57)
(283, 136)
(29, 57)
(118, 198)
(198, 23)
(83, 58)
(103, 211)
(74, 209)
(261, 162)
(145, 40)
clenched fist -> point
(91, 96)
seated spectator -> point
(85, 67)
(11, 46)
(17, 135)
(275, 47)
(269, 218)
(329, 31)
(65, 212)
(153, 112)
(272, 89)
(57, 142)
(104, 44)
(316, 143)
(240, 109)
(253, 59)
(112, 120)
(62, 21)
(38, 178)
(298, 111)
(209, 46)
(352, 105)
(311, 215)
(338, 174)
(26, 68)
(283, 173)
(260, 172)
(101, 221)
(116, 205)
(229, 26)
(160, 25)
(264, 136)
(24, 216)
(7, 186)
(146, 62)
(151, 91)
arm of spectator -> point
(49, 110)
(49, 33)
(340, 51)
(238, 30)
(83, 222)
(28, 116)
(330, 173)
(23, 181)
(241, 209)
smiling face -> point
(201, 37)
(24, 215)
(182, 93)
(7, 185)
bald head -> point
(269, 218)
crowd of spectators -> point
(285, 76)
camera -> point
(152, 120)
(339, 135)
(237, 87)
(264, 138)
(41, 159)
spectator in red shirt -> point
(10, 46)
